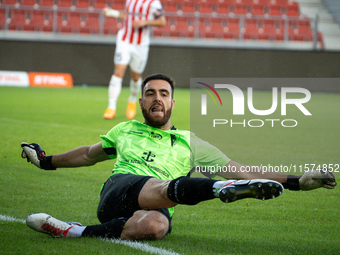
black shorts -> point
(119, 197)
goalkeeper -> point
(151, 174)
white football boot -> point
(46, 224)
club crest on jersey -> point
(148, 156)
(156, 136)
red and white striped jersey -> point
(139, 10)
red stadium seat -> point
(171, 6)
(28, 2)
(83, 4)
(278, 30)
(206, 8)
(188, 7)
(247, 2)
(293, 9)
(17, 20)
(272, 30)
(46, 3)
(40, 21)
(231, 28)
(89, 23)
(222, 9)
(258, 9)
(217, 28)
(185, 27)
(250, 29)
(100, 4)
(2, 18)
(274, 10)
(177, 27)
(240, 9)
(261, 2)
(119, 5)
(10, 2)
(264, 29)
(68, 22)
(300, 25)
(64, 3)
(33, 21)
(300, 30)
(208, 28)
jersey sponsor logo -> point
(136, 132)
(149, 156)
(156, 136)
(157, 169)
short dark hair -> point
(159, 77)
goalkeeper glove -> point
(36, 155)
(311, 179)
(317, 178)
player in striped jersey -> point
(132, 49)
(150, 177)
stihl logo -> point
(51, 79)
(47, 80)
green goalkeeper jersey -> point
(143, 150)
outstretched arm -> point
(311, 179)
(108, 12)
(82, 156)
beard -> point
(156, 122)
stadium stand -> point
(271, 20)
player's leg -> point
(135, 85)
(190, 191)
(146, 225)
(119, 197)
(143, 225)
(139, 57)
(121, 60)
(121, 215)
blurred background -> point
(215, 38)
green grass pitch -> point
(62, 119)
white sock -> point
(134, 89)
(219, 185)
(115, 87)
(76, 231)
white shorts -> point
(136, 56)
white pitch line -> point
(133, 244)
(12, 219)
(142, 247)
